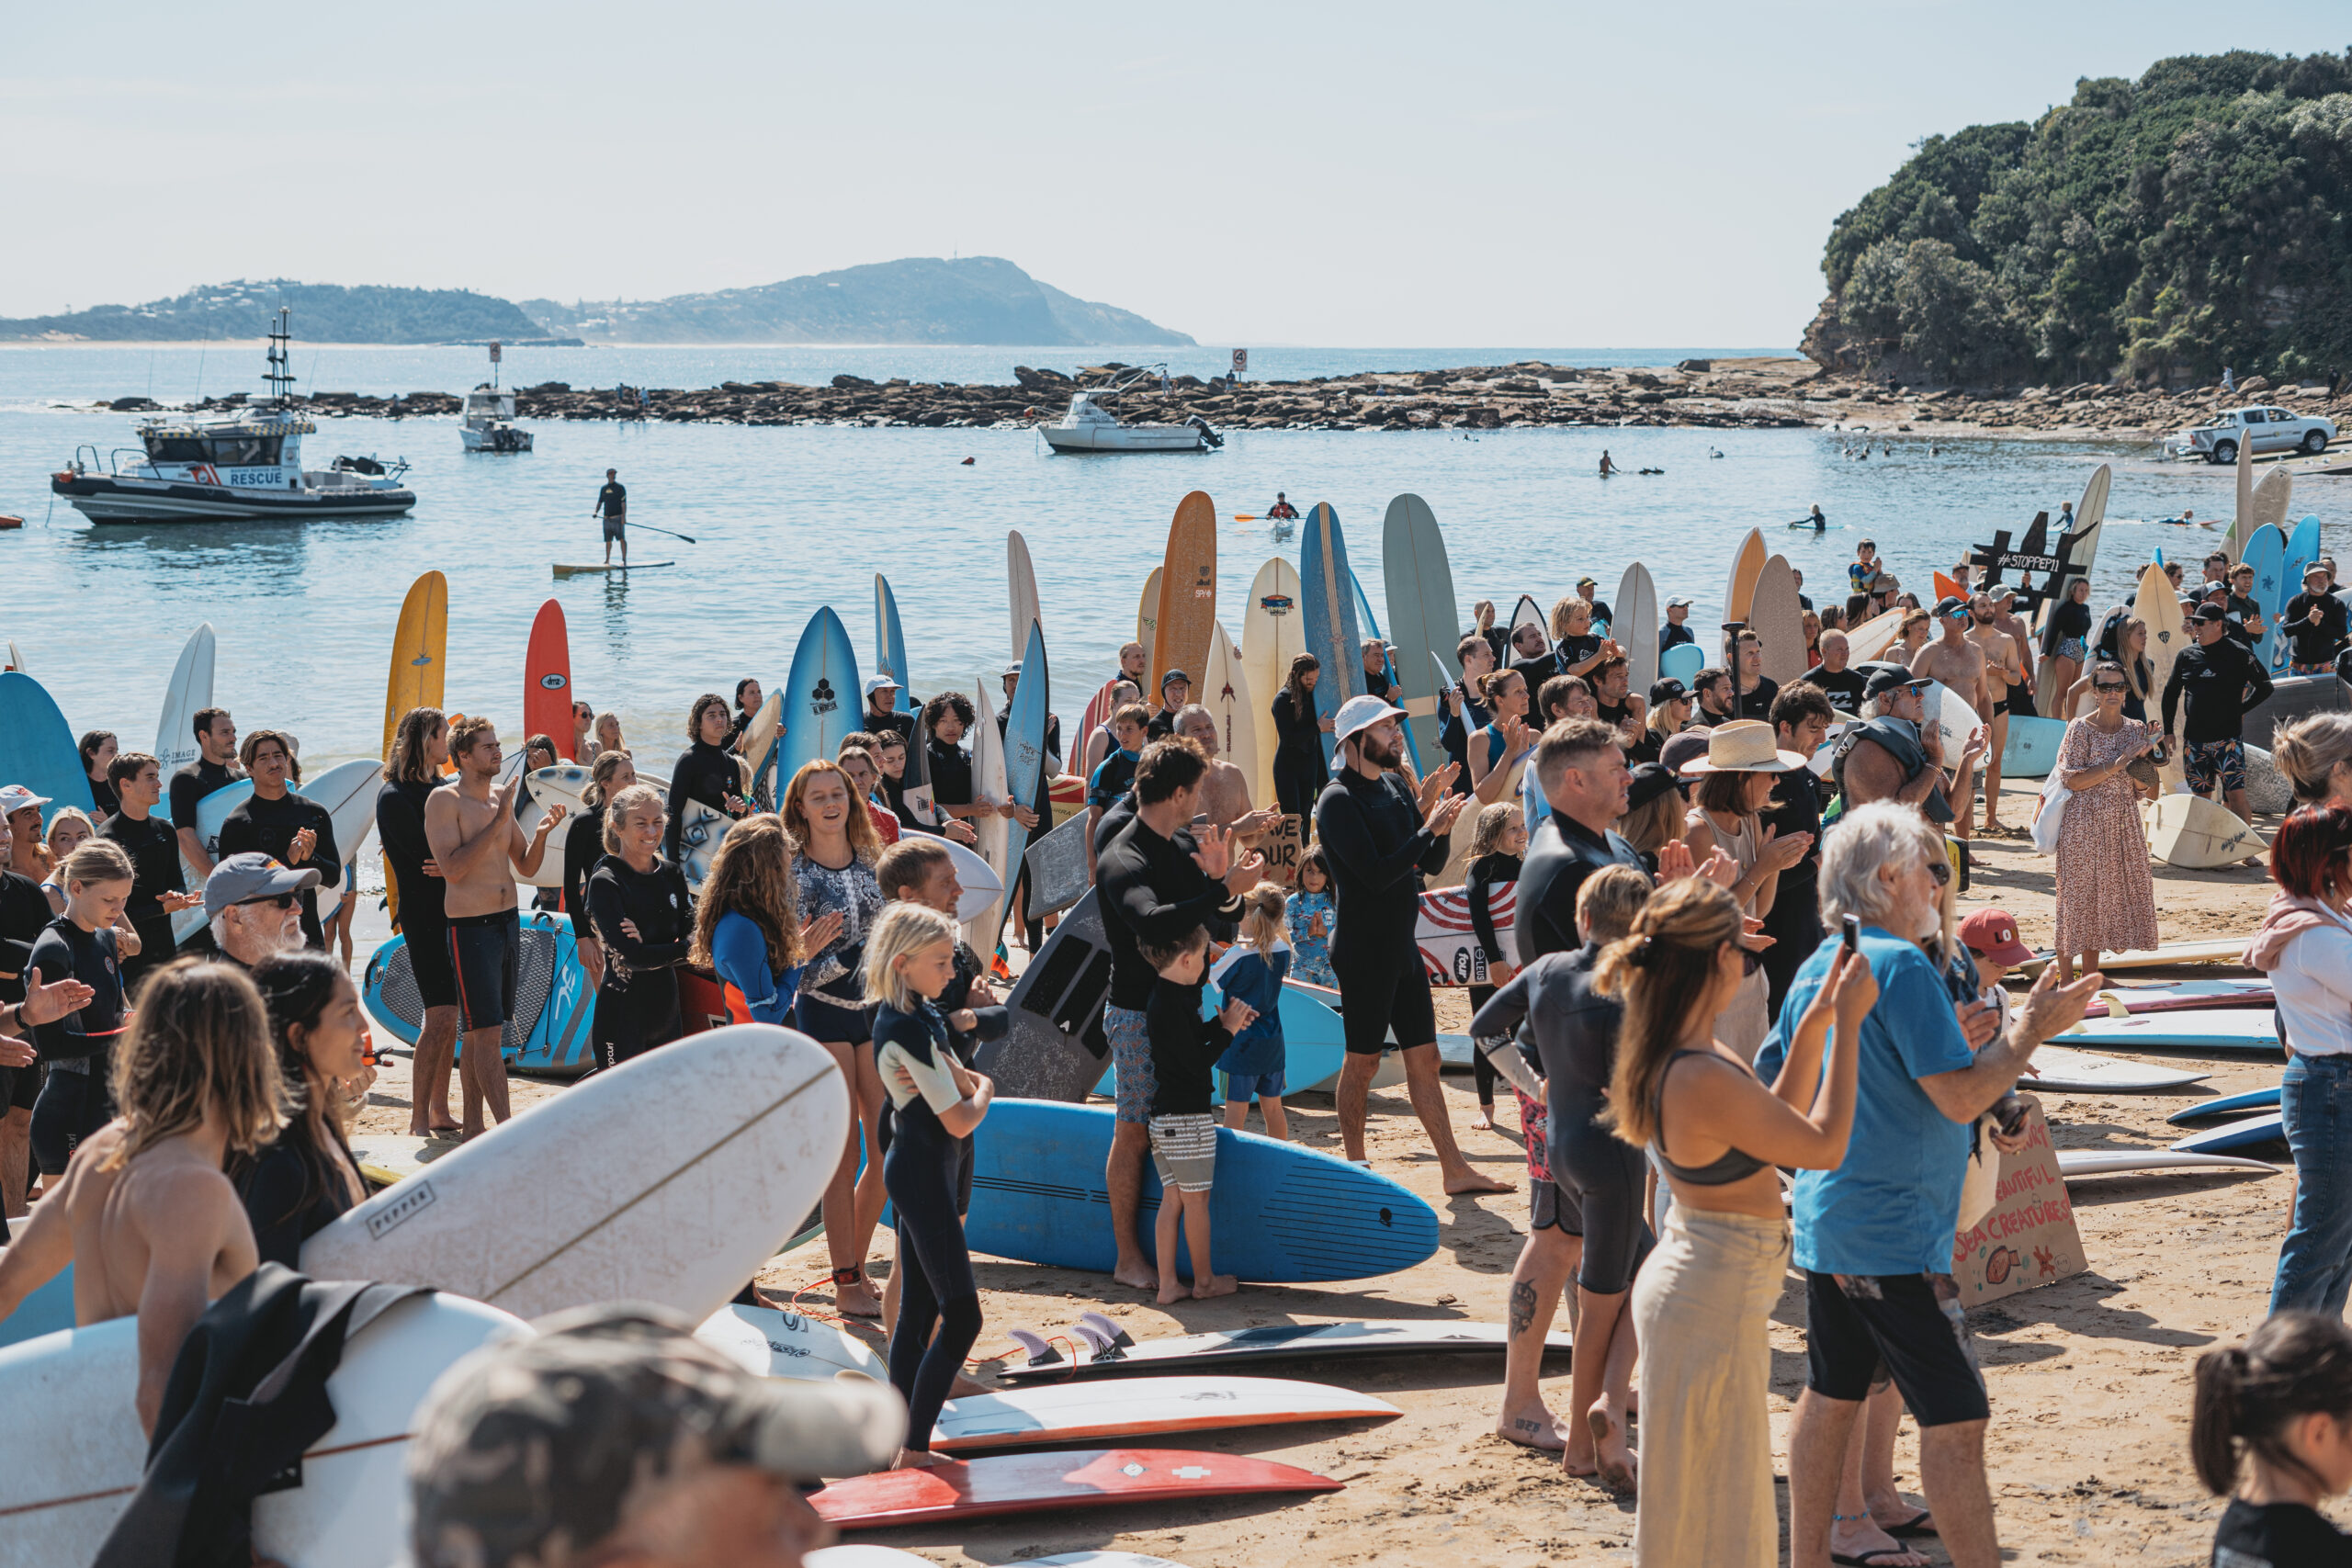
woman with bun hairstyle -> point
(2272, 1432)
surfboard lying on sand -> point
(2072, 1163)
(59, 1496)
(866, 1554)
(2189, 832)
(775, 1344)
(2227, 950)
(1109, 1352)
(2186, 994)
(1106, 1412)
(1062, 1479)
(2081, 1071)
(2251, 1132)
(2204, 1029)
(2228, 1105)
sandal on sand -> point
(1870, 1558)
(1922, 1523)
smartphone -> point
(1853, 934)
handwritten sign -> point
(1281, 847)
(2028, 1237)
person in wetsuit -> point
(748, 930)
(638, 904)
(707, 774)
(78, 1098)
(157, 892)
(1300, 771)
(299, 1184)
(583, 850)
(420, 747)
(281, 824)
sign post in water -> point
(1240, 363)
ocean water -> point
(788, 520)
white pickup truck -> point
(2267, 428)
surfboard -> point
(1370, 624)
(1777, 617)
(608, 568)
(700, 832)
(187, 693)
(2032, 748)
(1148, 626)
(1747, 565)
(1423, 619)
(2242, 519)
(1108, 1351)
(995, 833)
(1021, 582)
(1325, 588)
(890, 645)
(862, 1554)
(2157, 604)
(348, 792)
(48, 1310)
(2227, 1105)
(552, 1030)
(546, 680)
(2267, 790)
(2272, 497)
(1682, 663)
(2251, 1132)
(385, 1158)
(2073, 1162)
(2293, 697)
(2266, 551)
(770, 1343)
(982, 887)
(1055, 1480)
(759, 740)
(822, 701)
(1187, 592)
(16, 658)
(2215, 950)
(1314, 1044)
(61, 1495)
(1869, 641)
(2178, 994)
(2190, 831)
(2202, 1029)
(2090, 516)
(1224, 691)
(1526, 613)
(1281, 1212)
(564, 784)
(1449, 942)
(1636, 630)
(1954, 720)
(2081, 1071)
(1273, 632)
(420, 650)
(585, 1200)
(1055, 1049)
(37, 747)
(1109, 1412)
(2302, 550)
(1024, 763)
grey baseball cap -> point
(534, 1451)
(252, 874)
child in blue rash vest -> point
(1312, 918)
(1253, 970)
(1184, 1049)
(936, 1103)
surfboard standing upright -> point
(1021, 579)
(822, 702)
(1636, 628)
(190, 693)
(1423, 620)
(1326, 587)
(890, 645)
(1024, 763)
(37, 747)
(1187, 594)
(546, 680)
(1747, 565)
(1226, 691)
(1273, 633)
(1777, 617)
(2158, 605)
(1147, 625)
(420, 645)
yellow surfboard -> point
(419, 648)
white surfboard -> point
(1021, 579)
(862, 1554)
(2198, 1029)
(995, 834)
(60, 1494)
(348, 792)
(1954, 720)
(2266, 789)
(588, 1197)
(1871, 640)
(1273, 632)
(2227, 950)
(2072, 1163)
(2193, 833)
(1105, 1412)
(1636, 628)
(2170, 996)
(1105, 1349)
(187, 693)
(775, 1344)
(2081, 1072)
(1226, 694)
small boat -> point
(232, 467)
(488, 422)
(1090, 425)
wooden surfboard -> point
(1187, 592)
(546, 680)
(1424, 623)
(1776, 614)
(1058, 1479)
(1747, 565)
(420, 645)
(1224, 689)
(1273, 632)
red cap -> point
(1993, 933)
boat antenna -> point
(282, 361)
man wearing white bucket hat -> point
(1735, 781)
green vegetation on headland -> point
(2158, 230)
(323, 312)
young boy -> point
(1184, 1049)
(1864, 580)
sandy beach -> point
(2089, 1377)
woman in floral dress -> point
(2107, 899)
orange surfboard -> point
(1187, 594)
(547, 681)
(1946, 587)
(1059, 1479)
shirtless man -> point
(479, 847)
(1872, 773)
(1224, 794)
(2004, 672)
(1951, 660)
(145, 1213)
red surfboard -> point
(547, 681)
(1068, 1478)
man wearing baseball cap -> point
(20, 808)
(1586, 589)
(1380, 838)
(1175, 691)
(254, 905)
(882, 715)
(614, 1436)
(1677, 611)
(2222, 682)
(1894, 754)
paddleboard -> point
(1025, 766)
(2251, 1132)
(1108, 1412)
(772, 1344)
(187, 693)
(551, 1029)
(1273, 632)
(2072, 1163)
(546, 680)
(59, 1496)
(1056, 1482)
(2228, 1105)
(1056, 1049)
(1868, 642)
(890, 646)
(1682, 663)
(420, 646)
(1224, 691)
(1637, 612)
(1147, 628)
(1449, 942)
(1747, 565)
(1187, 592)
(1108, 1351)
(1333, 636)
(1021, 582)
(2032, 748)
(995, 833)
(1281, 1212)
(822, 701)
(602, 569)
(2081, 1071)
(2294, 697)
(2159, 606)
(1423, 619)
(2267, 790)
(2265, 552)
(2190, 831)
(585, 1199)
(2203, 1028)
(37, 747)
(1777, 617)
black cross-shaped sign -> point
(2032, 556)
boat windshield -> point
(227, 451)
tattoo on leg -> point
(1522, 1307)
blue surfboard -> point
(822, 701)
(2031, 750)
(2271, 1128)
(889, 645)
(1281, 1213)
(49, 1310)
(2266, 551)
(1682, 663)
(1333, 635)
(1024, 753)
(2229, 1105)
(1371, 623)
(1315, 1046)
(37, 747)
(2303, 550)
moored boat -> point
(1091, 425)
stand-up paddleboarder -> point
(611, 505)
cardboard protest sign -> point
(2028, 1237)
(1281, 847)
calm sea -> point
(788, 520)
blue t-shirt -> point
(1890, 1207)
(740, 953)
(1256, 978)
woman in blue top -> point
(936, 1103)
(748, 930)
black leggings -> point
(1481, 1069)
(72, 1106)
(632, 1021)
(936, 1284)
(1607, 1175)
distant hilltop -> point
(919, 300)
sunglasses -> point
(283, 900)
(1941, 870)
(2108, 686)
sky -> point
(1358, 174)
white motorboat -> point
(488, 421)
(231, 467)
(1090, 425)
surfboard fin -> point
(1041, 1353)
(1109, 1330)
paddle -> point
(652, 529)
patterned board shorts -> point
(2072, 648)
(1131, 1055)
(1183, 1151)
(2207, 763)
(2294, 668)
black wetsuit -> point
(155, 851)
(77, 1099)
(894, 722)
(1756, 701)
(1150, 890)
(2220, 683)
(191, 784)
(400, 825)
(289, 1192)
(2315, 645)
(23, 915)
(1844, 687)
(707, 774)
(1378, 849)
(637, 1007)
(1560, 856)
(1795, 921)
(951, 772)
(269, 826)
(103, 797)
(1300, 771)
(1487, 874)
(584, 846)
(936, 1288)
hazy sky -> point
(1363, 174)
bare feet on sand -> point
(1215, 1285)
(1484, 1120)
(1468, 1180)
(1536, 1426)
(1613, 1462)
(1138, 1276)
(852, 1296)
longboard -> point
(1064, 1479)
(2215, 950)
(1024, 765)
(1021, 583)
(1370, 624)
(994, 832)
(1326, 589)
(1187, 592)
(1147, 627)
(1423, 620)
(822, 702)
(1273, 632)
(1108, 1350)
(2090, 516)
(1225, 690)
(2072, 1163)
(546, 680)
(890, 645)
(2176, 994)
(2190, 831)
(37, 747)
(1056, 1049)
(1636, 629)
(1747, 565)
(1106, 1412)
(2266, 1127)
(2031, 748)
(773, 1343)
(2159, 606)
(2081, 1072)
(759, 740)
(1777, 617)
(2204, 1029)
(188, 693)
(420, 650)
(1869, 641)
